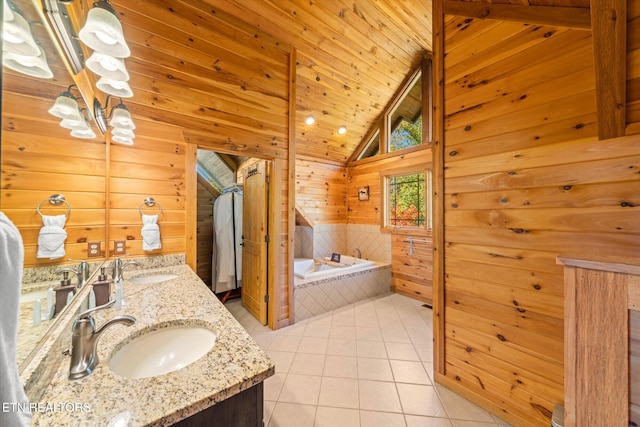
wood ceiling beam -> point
(572, 17)
(609, 22)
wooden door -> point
(255, 229)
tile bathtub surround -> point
(329, 238)
(373, 244)
(234, 364)
(351, 368)
(314, 297)
(303, 245)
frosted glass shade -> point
(7, 13)
(75, 124)
(107, 66)
(122, 140)
(125, 133)
(114, 87)
(35, 66)
(122, 118)
(102, 32)
(84, 134)
(66, 107)
(17, 37)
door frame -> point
(276, 228)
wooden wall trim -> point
(291, 224)
(572, 17)
(191, 232)
(438, 189)
(609, 24)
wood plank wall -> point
(412, 273)
(634, 367)
(154, 167)
(321, 190)
(525, 179)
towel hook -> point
(55, 199)
(150, 202)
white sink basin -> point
(152, 278)
(162, 351)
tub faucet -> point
(117, 268)
(356, 250)
(82, 272)
(84, 341)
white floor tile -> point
(292, 415)
(307, 364)
(374, 369)
(342, 332)
(273, 386)
(285, 343)
(378, 395)
(401, 351)
(406, 371)
(282, 360)
(420, 400)
(381, 419)
(372, 349)
(339, 393)
(341, 347)
(340, 367)
(368, 334)
(417, 421)
(268, 410)
(313, 345)
(337, 417)
(303, 389)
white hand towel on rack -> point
(52, 236)
(150, 233)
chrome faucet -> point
(82, 273)
(84, 341)
(117, 268)
(358, 251)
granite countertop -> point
(234, 364)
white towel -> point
(11, 260)
(52, 236)
(150, 233)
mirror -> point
(40, 158)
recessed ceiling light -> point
(342, 130)
(309, 120)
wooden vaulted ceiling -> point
(351, 56)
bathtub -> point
(322, 286)
(305, 268)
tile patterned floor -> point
(368, 364)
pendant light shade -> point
(17, 37)
(66, 107)
(122, 140)
(113, 87)
(124, 133)
(7, 13)
(102, 31)
(122, 118)
(75, 124)
(107, 66)
(34, 66)
(84, 134)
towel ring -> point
(55, 199)
(150, 202)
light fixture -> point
(107, 66)
(31, 65)
(117, 88)
(119, 119)
(102, 31)
(66, 106)
(309, 120)
(17, 37)
(122, 118)
(74, 124)
(60, 20)
(342, 130)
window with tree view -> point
(408, 200)
(405, 119)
